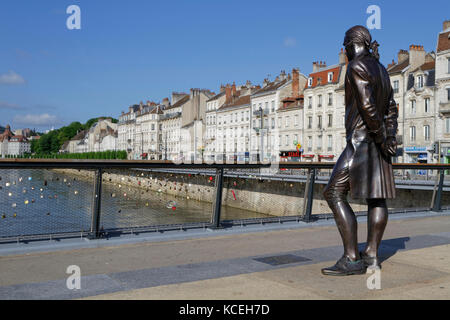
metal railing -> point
(217, 171)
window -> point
(448, 94)
(310, 80)
(427, 105)
(273, 123)
(330, 76)
(273, 105)
(330, 99)
(330, 143)
(319, 122)
(413, 106)
(319, 143)
(412, 134)
(310, 103)
(286, 140)
(447, 125)
(309, 122)
(296, 138)
(396, 86)
(330, 120)
(426, 132)
(448, 65)
(287, 122)
(420, 81)
(279, 122)
(319, 104)
(309, 143)
(296, 120)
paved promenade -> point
(275, 261)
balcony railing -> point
(50, 199)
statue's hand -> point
(389, 146)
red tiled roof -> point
(398, 67)
(323, 75)
(238, 102)
(427, 66)
(179, 103)
(443, 41)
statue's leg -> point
(336, 195)
(376, 224)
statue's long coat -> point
(370, 112)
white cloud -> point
(289, 42)
(39, 120)
(11, 78)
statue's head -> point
(358, 39)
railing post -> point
(437, 200)
(217, 205)
(309, 195)
(95, 220)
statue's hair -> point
(360, 34)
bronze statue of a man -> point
(364, 167)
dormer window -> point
(330, 76)
(420, 81)
(310, 80)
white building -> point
(443, 89)
(233, 124)
(11, 145)
(324, 111)
(276, 126)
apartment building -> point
(269, 127)
(443, 89)
(170, 126)
(193, 125)
(413, 82)
(147, 142)
(233, 124)
(212, 105)
(127, 131)
(324, 111)
(13, 145)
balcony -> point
(444, 107)
(257, 113)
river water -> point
(34, 202)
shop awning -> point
(307, 156)
(324, 156)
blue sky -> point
(138, 50)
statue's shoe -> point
(370, 262)
(345, 267)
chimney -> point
(233, 92)
(315, 66)
(166, 102)
(148, 103)
(416, 56)
(222, 88)
(446, 25)
(265, 82)
(248, 84)
(403, 55)
(295, 82)
(282, 75)
(342, 57)
(228, 94)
